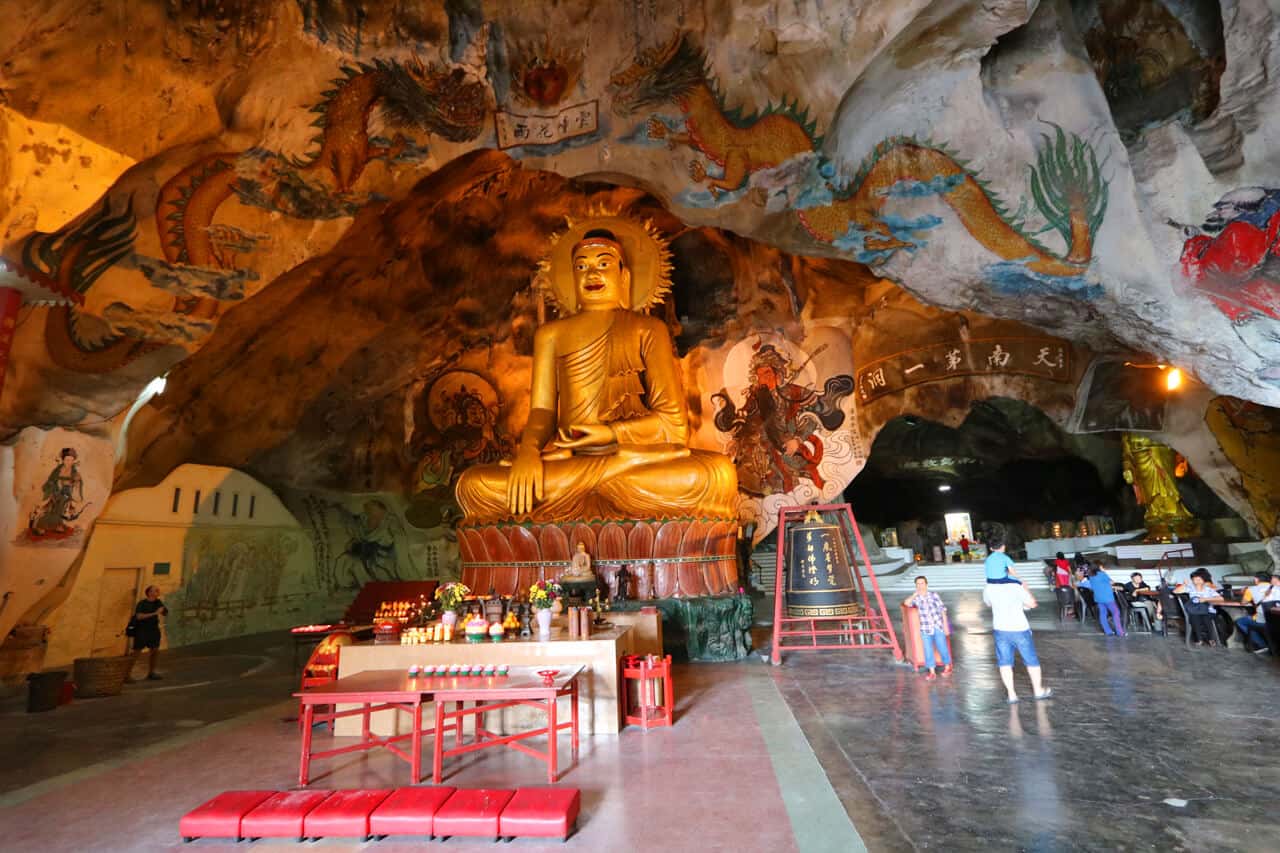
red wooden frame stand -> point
(873, 629)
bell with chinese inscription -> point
(819, 578)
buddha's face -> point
(600, 277)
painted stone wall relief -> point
(356, 541)
(776, 428)
(774, 158)
(787, 425)
(383, 109)
(58, 504)
(1233, 258)
(462, 410)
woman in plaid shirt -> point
(933, 627)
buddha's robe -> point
(625, 376)
(1151, 465)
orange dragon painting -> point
(1066, 183)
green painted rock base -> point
(711, 628)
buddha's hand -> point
(524, 483)
(585, 435)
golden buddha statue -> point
(608, 429)
(1149, 467)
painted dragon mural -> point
(67, 262)
(411, 96)
(1066, 182)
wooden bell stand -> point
(871, 630)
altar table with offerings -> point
(599, 693)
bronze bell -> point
(819, 574)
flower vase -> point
(450, 618)
(544, 624)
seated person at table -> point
(998, 566)
(1105, 597)
(1140, 602)
(1061, 572)
(1255, 629)
(1200, 609)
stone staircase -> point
(959, 577)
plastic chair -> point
(1138, 614)
(1085, 606)
(1065, 601)
(1172, 611)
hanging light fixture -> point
(1173, 379)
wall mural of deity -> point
(52, 519)
(787, 429)
(463, 409)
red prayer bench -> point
(281, 815)
(472, 812)
(409, 811)
(540, 813)
(345, 814)
(431, 811)
(220, 817)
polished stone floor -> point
(1145, 746)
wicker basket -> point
(101, 676)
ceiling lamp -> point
(1173, 379)
(944, 488)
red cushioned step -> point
(540, 813)
(345, 814)
(281, 815)
(220, 817)
(408, 811)
(472, 811)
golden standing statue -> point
(608, 429)
(1149, 467)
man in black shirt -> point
(146, 628)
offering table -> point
(599, 697)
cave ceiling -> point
(308, 212)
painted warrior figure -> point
(775, 440)
(608, 428)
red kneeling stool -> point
(281, 815)
(541, 813)
(654, 702)
(472, 812)
(409, 811)
(221, 816)
(345, 814)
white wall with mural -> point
(228, 557)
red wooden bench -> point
(409, 811)
(472, 812)
(345, 814)
(431, 811)
(220, 817)
(540, 813)
(281, 815)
